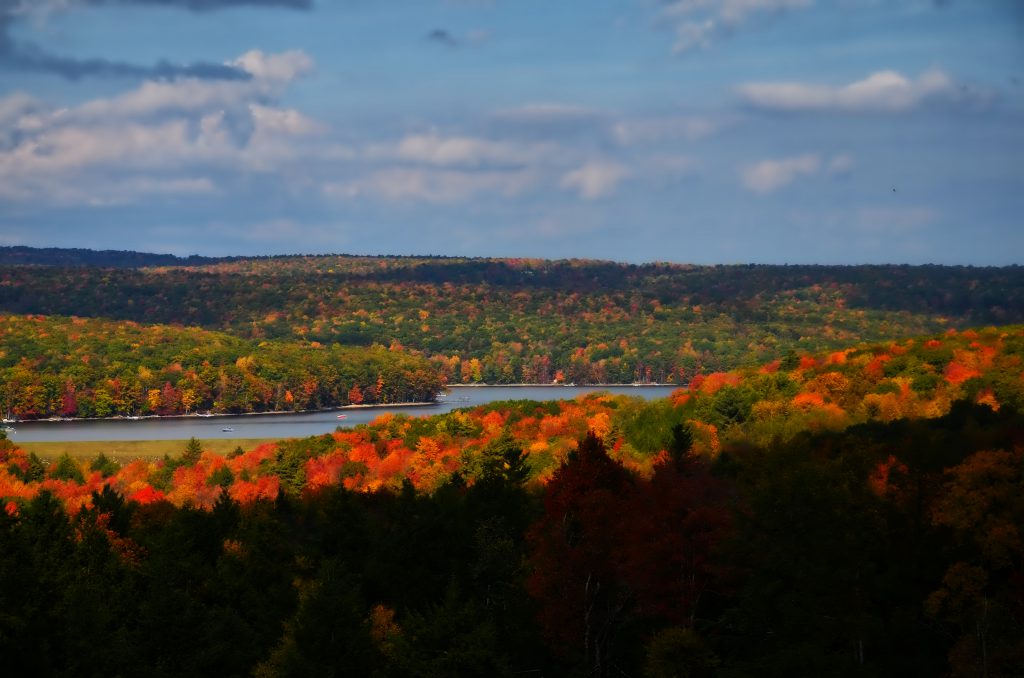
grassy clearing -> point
(124, 451)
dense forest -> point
(78, 367)
(525, 320)
(855, 512)
(837, 487)
(913, 379)
(59, 256)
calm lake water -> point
(298, 425)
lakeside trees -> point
(77, 367)
(912, 379)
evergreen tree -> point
(193, 450)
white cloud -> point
(769, 176)
(280, 67)
(272, 73)
(286, 121)
(665, 129)
(691, 35)
(434, 149)
(840, 164)
(701, 22)
(433, 185)
(595, 179)
(15, 106)
(163, 133)
(884, 91)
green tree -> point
(105, 465)
(67, 468)
(329, 634)
(193, 450)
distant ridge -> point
(57, 256)
(459, 268)
(60, 256)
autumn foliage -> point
(719, 409)
(78, 367)
(588, 537)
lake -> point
(297, 425)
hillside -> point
(912, 379)
(537, 321)
(81, 367)
(56, 256)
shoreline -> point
(337, 408)
(559, 385)
(218, 415)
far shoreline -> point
(338, 408)
(218, 415)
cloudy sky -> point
(704, 131)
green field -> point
(124, 451)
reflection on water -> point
(297, 425)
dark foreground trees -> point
(884, 550)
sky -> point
(691, 131)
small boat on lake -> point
(228, 429)
(342, 416)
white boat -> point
(228, 429)
(342, 416)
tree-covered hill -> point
(81, 367)
(913, 379)
(526, 320)
(56, 256)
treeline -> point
(537, 321)
(56, 256)
(884, 549)
(78, 367)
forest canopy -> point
(532, 320)
(82, 367)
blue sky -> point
(703, 131)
